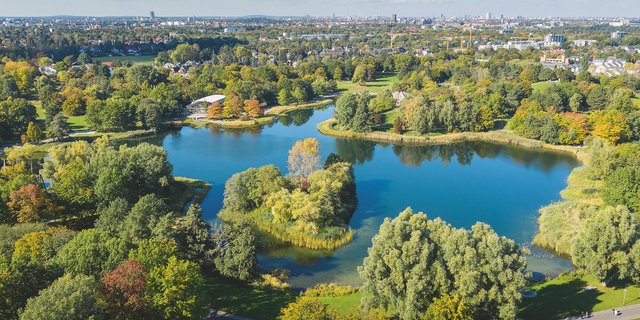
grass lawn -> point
(383, 81)
(343, 304)
(240, 299)
(566, 296)
(77, 123)
(132, 59)
(539, 86)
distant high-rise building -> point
(394, 18)
(553, 40)
(152, 15)
(618, 35)
(488, 16)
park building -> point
(197, 110)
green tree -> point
(602, 248)
(185, 52)
(146, 219)
(58, 127)
(155, 252)
(33, 134)
(346, 109)
(92, 252)
(299, 94)
(414, 260)
(307, 308)
(176, 290)
(284, 97)
(193, 235)
(235, 252)
(360, 75)
(70, 297)
(622, 187)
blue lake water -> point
(463, 183)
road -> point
(627, 313)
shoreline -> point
(327, 127)
(270, 115)
(567, 195)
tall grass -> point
(325, 239)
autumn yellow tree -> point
(22, 72)
(448, 307)
(304, 157)
(232, 107)
(215, 111)
(610, 125)
(252, 108)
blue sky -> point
(542, 8)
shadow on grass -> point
(238, 298)
(560, 301)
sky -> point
(414, 8)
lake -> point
(462, 183)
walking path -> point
(626, 313)
(221, 315)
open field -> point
(343, 304)
(77, 123)
(539, 86)
(240, 299)
(567, 295)
(383, 81)
(132, 59)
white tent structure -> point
(197, 110)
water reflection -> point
(355, 151)
(502, 185)
(296, 118)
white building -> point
(197, 110)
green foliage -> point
(329, 290)
(84, 175)
(247, 190)
(184, 53)
(235, 252)
(192, 235)
(149, 217)
(70, 297)
(155, 252)
(311, 212)
(352, 112)
(92, 252)
(414, 260)
(448, 307)
(307, 308)
(602, 247)
(112, 115)
(58, 127)
(15, 116)
(175, 289)
(622, 187)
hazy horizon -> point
(414, 8)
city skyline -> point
(541, 8)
